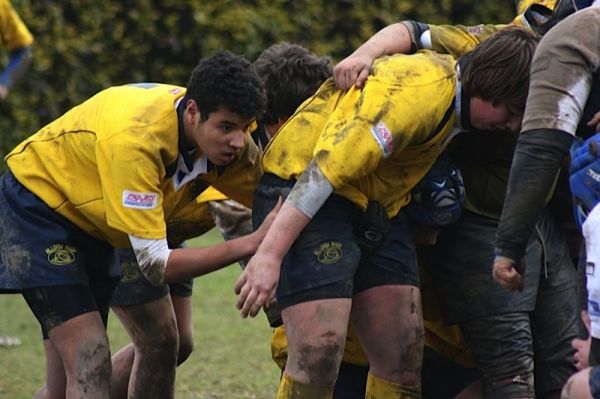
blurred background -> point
(83, 46)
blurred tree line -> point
(83, 46)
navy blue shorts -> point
(325, 261)
(61, 270)
(41, 248)
(56, 304)
(135, 289)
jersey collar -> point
(189, 166)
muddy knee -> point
(320, 362)
(161, 345)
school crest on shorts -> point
(329, 252)
(61, 255)
(130, 271)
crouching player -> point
(290, 74)
(109, 174)
(448, 366)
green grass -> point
(231, 358)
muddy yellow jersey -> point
(13, 32)
(106, 164)
(457, 40)
(375, 143)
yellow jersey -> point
(457, 40)
(375, 143)
(105, 165)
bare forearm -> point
(186, 263)
(284, 231)
(392, 39)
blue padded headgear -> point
(437, 200)
(585, 176)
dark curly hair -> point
(497, 70)
(290, 74)
(227, 80)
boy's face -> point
(487, 116)
(220, 137)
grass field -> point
(231, 357)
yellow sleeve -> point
(239, 180)
(457, 40)
(130, 175)
(210, 194)
(13, 32)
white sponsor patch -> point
(384, 138)
(134, 199)
(476, 30)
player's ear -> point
(192, 113)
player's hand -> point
(505, 272)
(582, 346)
(352, 70)
(257, 284)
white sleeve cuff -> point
(426, 39)
(152, 257)
(310, 191)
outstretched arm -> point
(163, 265)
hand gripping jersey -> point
(375, 143)
(107, 164)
